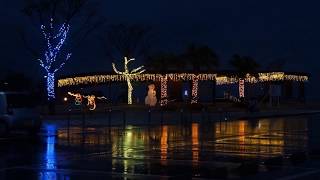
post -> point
(241, 88)
(194, 92)
(220, 114)
(203, 114)
(214, 91)
(149, 116)
(164, 93)
(124, 119)
(83, 119)
(83, 126)
(68, 125)
(313, 134)
(109, 117)
(161, 117)
(301, 92)
(181, 115)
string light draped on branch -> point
(128, 75)
(54, 42)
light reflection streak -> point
(195, 142)
(50, 155)
(164, 143)
(242, 136)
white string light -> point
(54, 43)
(128, 75)
(194, 92)
(164, 93)
(90, 98)
(241, 88)
(220, 80)
(77, 99)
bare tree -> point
(132, 41)
(54, 18)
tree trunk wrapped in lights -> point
(54, 42)
(128, 75)
(54, 18)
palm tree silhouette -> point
(244, 65)
(201, 58)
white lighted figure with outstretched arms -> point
(128, 75)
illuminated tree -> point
(54, 18)
(128, 75)
(123, 40)
(54, 42)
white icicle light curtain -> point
(220, 80)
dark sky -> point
(265, 30)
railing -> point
(143, 117)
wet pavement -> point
(255, 149)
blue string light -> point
(54, 44)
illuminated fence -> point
(220, 79)
(164, 78)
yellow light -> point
(65, 99)
(164, 142)
(77, 99)
(241, 88)
(194, 92)
(128, 75)
(164, 93)
(91, 100)
(195, 142)
(138, 76)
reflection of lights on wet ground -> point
(164, 143)
(242, 129)
(127, 148)
(259, 125)
(262, 139)
(228, 138)
(195, 142)
(50, 155)
(129, 136)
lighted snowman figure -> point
(151, 98)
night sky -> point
(265, 30)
